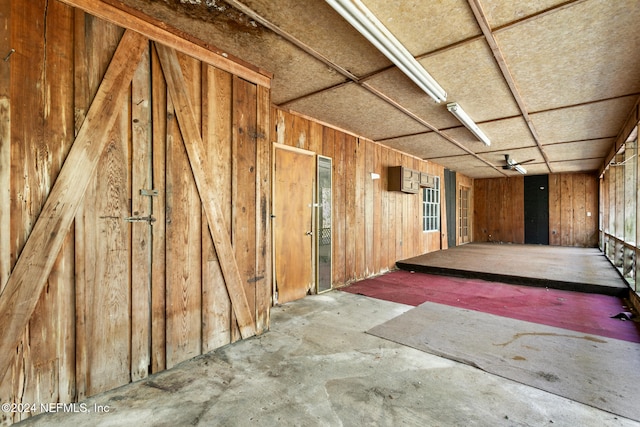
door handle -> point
(309, 233)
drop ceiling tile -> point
(426, 145)
(423, 26)
(577, 166)
(355, 109)
(318, 26)
(577, 54)
(502, 12)
(469, 75)
(580, 150)
(584, 122)
(467, 165)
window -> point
(431, 207)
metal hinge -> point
(148, 219)
(152, 193)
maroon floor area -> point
(576, 311)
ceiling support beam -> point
(483, 22)
(116, 12)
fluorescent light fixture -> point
(363, 20)
(457, 111)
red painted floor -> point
(582, 312)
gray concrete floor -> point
(318, 367)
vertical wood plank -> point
(376, 209)
(579, 210)
(195, 150)
(555, 225)
(141, 206)
(81, 103)
(54, 363)
(5, 153)
(244, 181)
(350, 223)
(566, 204)
(263, 201)
(591, 202)
(183, 233)
(160, 115)
(391, 211)
(369, 209)
(339, 216)
(29, 162)
(339, 209)
(360, 206)
(314, 140)
(399, 205)
(216, 136)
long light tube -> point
(457, 111)
(363, 20)
(520, 169)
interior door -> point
(536, 209)
(293, 208)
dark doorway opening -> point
(536, 209)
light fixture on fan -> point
(363, 20)
(464, 118)
(513, 165)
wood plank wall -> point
(499, 210)
(373, 227)
(571, 198)
(124, 299)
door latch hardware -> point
(148, 219)
(309, 233)
(152, 193)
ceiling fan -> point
(513, 165)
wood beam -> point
(483, 22)
(24, 286)
(197, 155)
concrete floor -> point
(317, 366)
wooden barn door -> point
(138, 180)
(293, 200)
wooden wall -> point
(571, 198)
(186, 144)
(373, 227)
(499, 210)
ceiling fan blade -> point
(526, 161)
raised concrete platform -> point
(557, 267)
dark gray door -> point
(536, 209)
(450, 196)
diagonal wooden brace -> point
(196, 153)
(24, 286)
